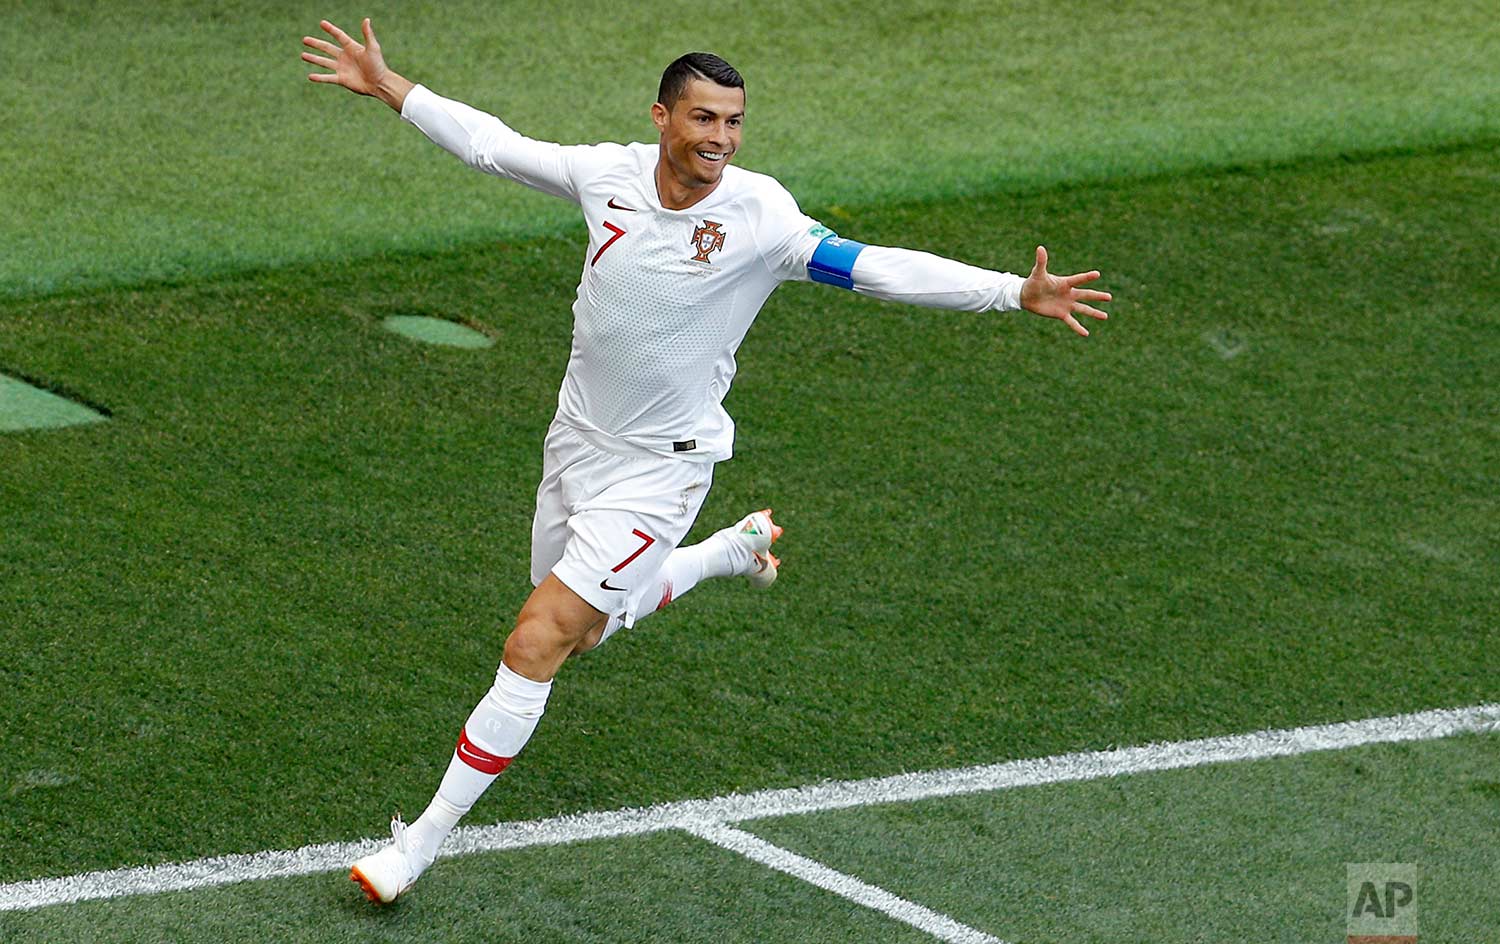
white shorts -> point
(605, 522)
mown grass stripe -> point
(691, 814)
(1293, 80)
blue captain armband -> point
(832, 263)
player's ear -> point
(659, 115)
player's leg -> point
(741, 550)
(611, 552)
(626, 518)
(507, 714)
(549, 627)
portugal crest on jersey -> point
(706, 239)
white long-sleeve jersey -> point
(666, 296)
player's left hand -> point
(357, 67)
(1058, 296)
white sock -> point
(728, 556)
(496, 731)
(721, 555)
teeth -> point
(710, 156)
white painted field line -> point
(222, 870)
(939, 926)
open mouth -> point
(713, 157)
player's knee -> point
(540, 642)
(533, 647)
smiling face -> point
(700, 132)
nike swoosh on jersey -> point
(615, 206)
(604, 585)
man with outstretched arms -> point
(684, 248)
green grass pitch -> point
(250, 610)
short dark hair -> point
(695, 65)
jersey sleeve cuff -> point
(418, 96)
(1009, 296)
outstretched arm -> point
(358, 68)
(480, 140)
(921, 278)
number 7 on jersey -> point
(618, 232)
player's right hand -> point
(1058, 296)
(358, 68)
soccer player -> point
(684, 249)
